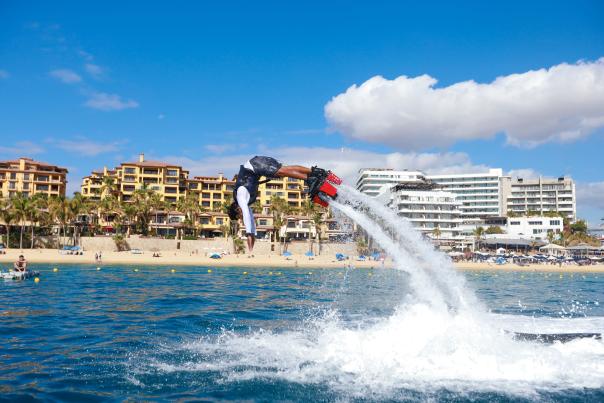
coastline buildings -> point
(487, 194)
(430, 209)
(542, 195)
(172, 183)
(29, 177)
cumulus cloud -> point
(88, 148)
(21, 149)
(525, 173)
(591, 194)
(109, 102)
(94, 70)
(345, 162)
(66, 76)
(563, 103)
(4, 74)
(221, 148)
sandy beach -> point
(171, 258)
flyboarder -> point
(319, 181)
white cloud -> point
(221, 148)
(591, 194)
(525, 173)
(344, 162)
(4, 74)
(94, 70)
(66, 76)
(88, 148)
(22, 149)
(109, 102)
(562, 103)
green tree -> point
(478, 235)
(493, 229)
(8, 216)
(21, 207)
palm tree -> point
(142, 199)
(109, 187)
(189, 206)
(37, 204)
(130, 213)
(317, 219)
(279, 208)
(478, 234)
(60, 212)
(8, 216)
(21, 206)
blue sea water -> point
(113, 334)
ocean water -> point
(83, 334)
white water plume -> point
(440, 339)
(432, 272)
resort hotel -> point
(450, 208)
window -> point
(172, 172)
(262, 221)
(514, 222)
(554, 222)
(216, 196)
(204, 220)
(219, 221)
(535, 222)
(130, 171)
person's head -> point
(234, 211)
(21, 257)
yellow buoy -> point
(310, 272)
(209, 270)
(270, 273)
(561, 276)
(135, 269)
(245, 272)
(98, 268)
(173, 271)
(370, 274)
(36, 280)
(55, 270)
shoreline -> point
(52, 256)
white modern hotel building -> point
(482, 195)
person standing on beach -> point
(248, 180)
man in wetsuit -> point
(248, 179)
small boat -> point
(19, 275)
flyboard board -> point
(321, 186)
(549, 338)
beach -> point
(176, 258)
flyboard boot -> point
(320, 186)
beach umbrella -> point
(287, 253)
(340, 256)
(215, 256)
(309, 254)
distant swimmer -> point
(319, 181)
(21, 264)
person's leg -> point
(293, 171)
(251, 240)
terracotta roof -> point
(33, 162)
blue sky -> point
(93, 84)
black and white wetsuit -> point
(246, 186)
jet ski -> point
(321, 186)
(19, 275)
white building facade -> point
(432, 211)
(541, 195)
(372, 181)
